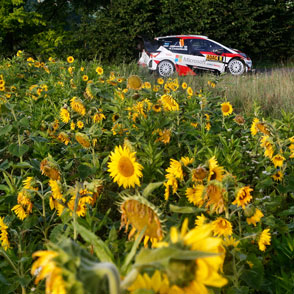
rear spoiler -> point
(149, 46)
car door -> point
(212, 54)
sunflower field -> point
(126, 183)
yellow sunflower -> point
(85, 78)
(169, 103)
(123, 167)
(189, 91)
(46, 268)
(140, 213)
(134, 82)
(184, 86)
(278, 176)
(264, 239)
(243, 197)
(83, 140)
(70, 59)
(214, 197)
(195, 275)
(64, 115)
(278, 160)
(157, 284)
(4, 235)
(160, 81)
(194, 195)
(255, 218)
(222, 227)
(99, 70)
(50, 168)
(227, 108)
(215, 171)
(254, 129)
(175, 168)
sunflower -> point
(261, 126)
(199, 174)
(99, 70)
(77, 106)
(83, 140)
(28, 183)
(98, 117)
(214, 197)
(184, 86)
(64, 115)
(278, 176)
(85, 78)
(230, 241)
(155, 88)
(227, 108)
(4, 235)
(278, 160)
(194, 195)
(164, 136)
(195, 275)
(157, 284)
(239, 119)
(189, 91)
(222, 227)
(255, 218)
(169, 103)
(80, 124)
(134, 82)
(175, 168)
(160, 81)
(264, 239)
(156, 107)
(140, 213)
(215, 171)
(268, 146)
(254, 129)
(50, 168)
(186, 160)
(64, 138)
(123, 167)
(243, 197)
(200, 220)
(70, 59)
(46, 268)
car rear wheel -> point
(236, 67)
(165, 68)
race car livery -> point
(189, 54)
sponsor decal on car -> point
(177, 47)
(214, 58)
(178, 58)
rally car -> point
(189, 54)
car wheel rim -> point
(165, 69)
(236, 67)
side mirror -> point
(218, 51)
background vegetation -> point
(110, 29)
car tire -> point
(165, 68)
(236, 67)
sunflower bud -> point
(249, 211)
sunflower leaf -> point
(150, 188)
(164, 254)
(184, 209)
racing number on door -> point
(214, 58)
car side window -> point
(176, 45)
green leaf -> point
(164, 254)
(84, 171)
(150, 188)
(22, 165)
(18, 150)
(185, 209)
(100, 248)
(5, 130)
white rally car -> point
(189, 54)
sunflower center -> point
(125, 166)
(226, 108)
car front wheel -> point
(236, 67)
(165, 68)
